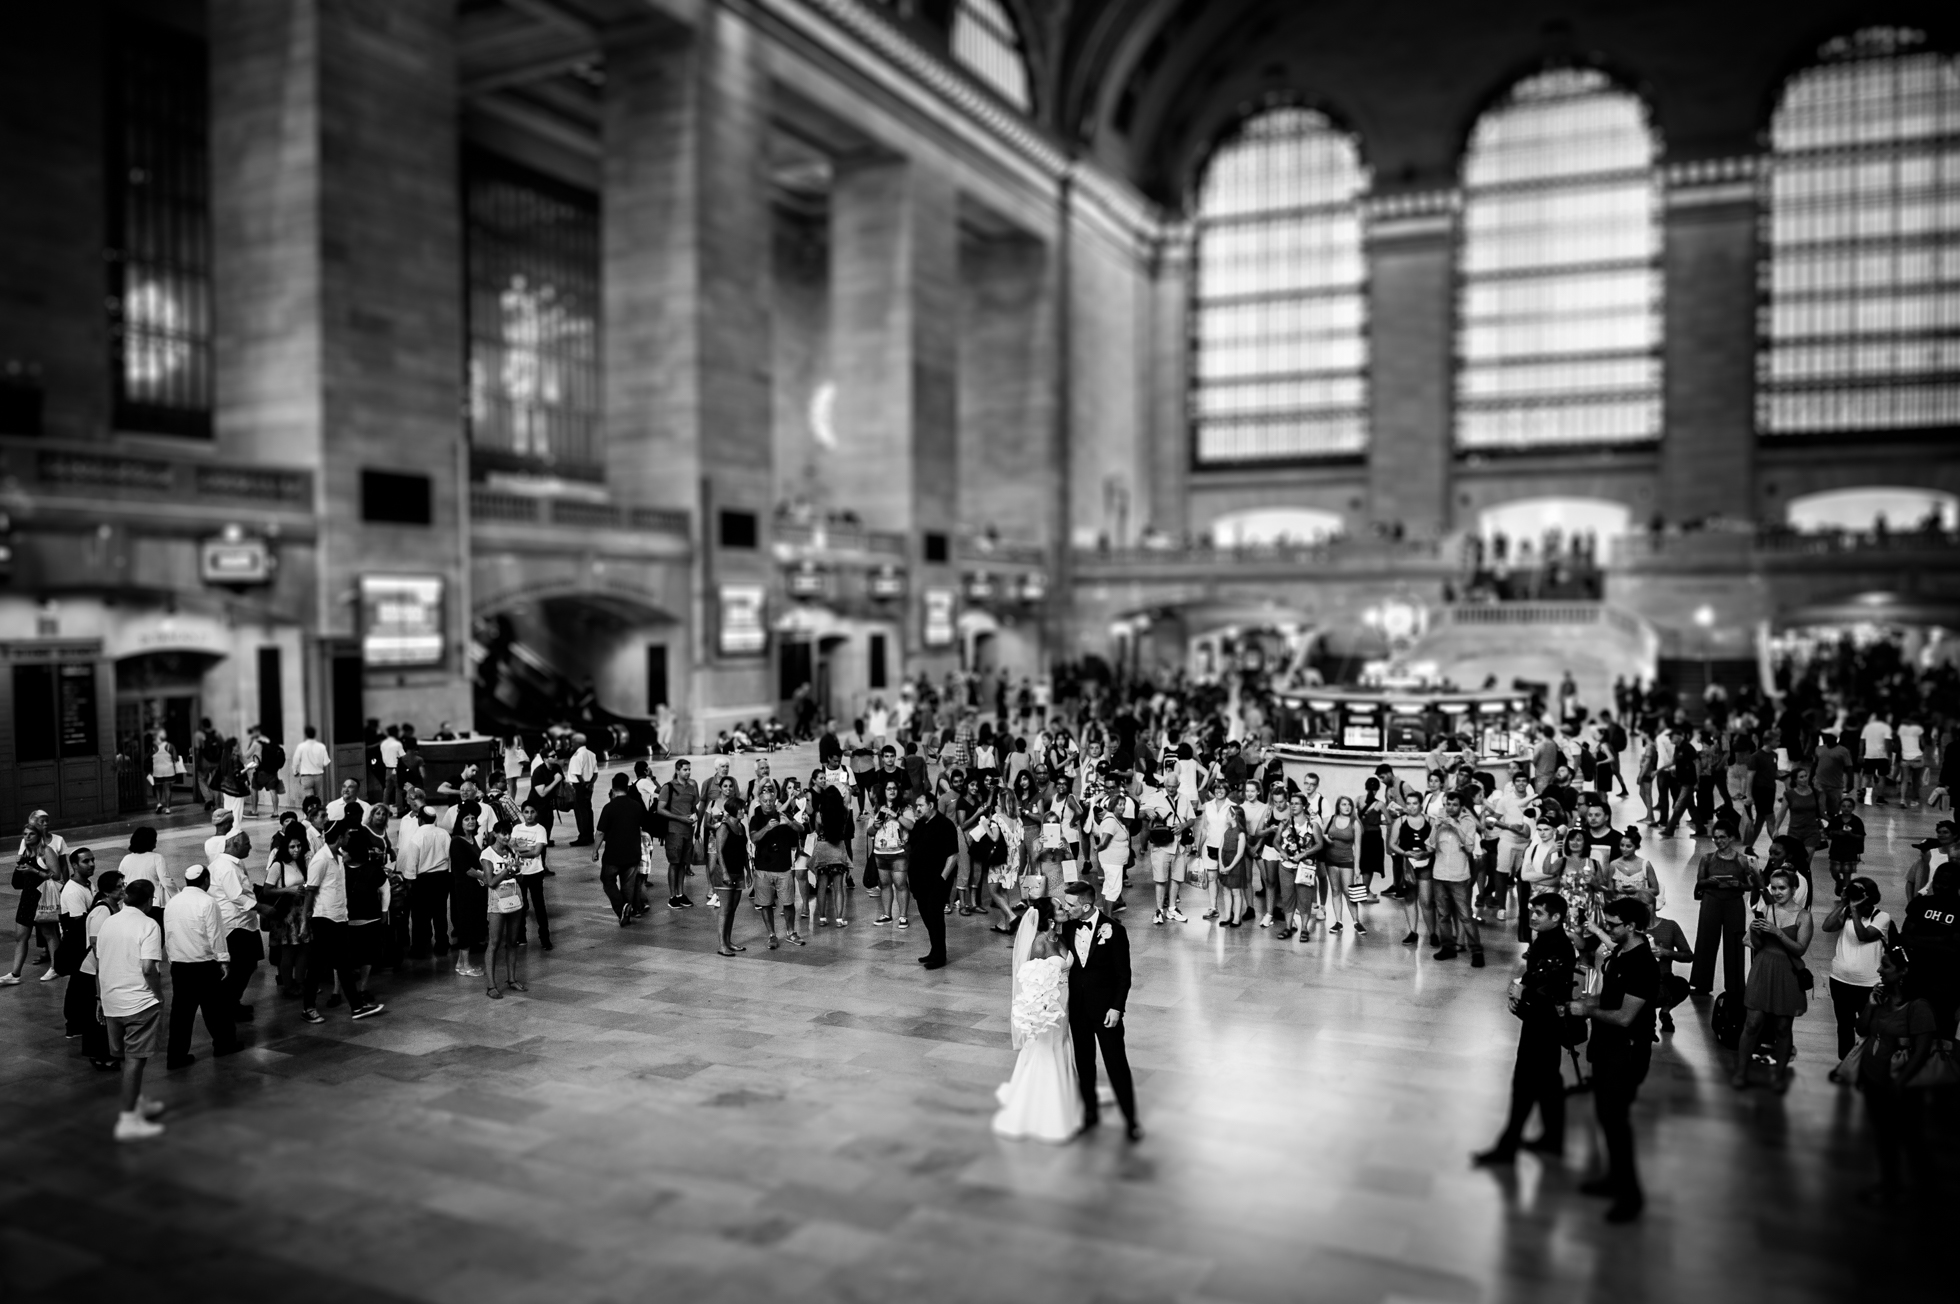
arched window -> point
(1861, 319)
(1559, 293)
(1279, 319)
(985, 40)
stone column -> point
(339, 301)
(1170, 379)
(1410, 283)
(1708, 445)
(1007, 389)
(895, 310)
(686, 275)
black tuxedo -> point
(1094, 989)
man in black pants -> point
(932, 850)
(1540, 1006)
(194, 939)
(1098, 992)
(618, 852)
(1622, 1044)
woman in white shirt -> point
(1860, 927)
(517, 763)
(527, 843)
(503, 879)
(145, 861)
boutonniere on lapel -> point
(1104, 933)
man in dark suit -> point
(932, 851)
(1098, 991)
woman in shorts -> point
(890, 823)
(504, 912)
(831, 856)
(1298, 841)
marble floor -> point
(655, 1122)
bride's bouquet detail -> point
(1039, 1005)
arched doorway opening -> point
(1872, 508)
(594, 661)
(1274, 526)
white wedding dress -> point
(1042, 1101)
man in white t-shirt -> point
(1875, 754)
(528, 842)
(1912, 759)
(221, 826)
(1506, 815)
(392, 751)
(1112, 812)
(129, 988)
(311, 761)
(582, 771)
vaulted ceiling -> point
(1147, 86)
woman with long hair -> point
(291, 924)
(1342, 831)
(1574, 872)
(1646, 761)
(831, 855)
(890, 822)
(800, 810)
(732, 854)
(35, 918)
(504, 962)
(228, 781)
(1372, 859)
(1779, 934)
(164, 766)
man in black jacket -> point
(1098, 991)
(1539, 1002)
(932, 854)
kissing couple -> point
(1071, 984)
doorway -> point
(161, 692)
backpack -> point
(1727, 1020)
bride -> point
(1042, 1101)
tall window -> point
(1861, 316)
(160, 229)
(1279, 320)
(985, 40)
(1559, 291)
(533, 323)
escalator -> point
(518, 691)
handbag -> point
(1357, 893)
(1941, 1068)
(48, 910)
(871, 872)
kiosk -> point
(1342, 734)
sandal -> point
(494, 993)
(722, 950)
(519, 987)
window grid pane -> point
(533, 303)
(984, 39)
(160, 219)
(1860, 323)
(1279, 344)
(1559, 285)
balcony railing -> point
(505, 507)
(834, 537)
(107, 474)
(1743, 545)
(1337, 551)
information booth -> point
(1343, 734)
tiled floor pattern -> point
(655, 1122)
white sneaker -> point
(1265, 921)
(134, 1127)
(714, 901)
(9, 980)
(1179, 915)
(50, 975)
(1157, 918)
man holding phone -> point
(1724, 878)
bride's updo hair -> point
(1044, 913)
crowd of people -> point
(1167, 798)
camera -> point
(1929, 844)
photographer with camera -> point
(1860, 927)
(1945, 843)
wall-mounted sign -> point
(401, 620)
(235, 561)
(979, 586)
(1034, 586)
(939, 627)
(808, 580)
(886, 582)
(739, 629)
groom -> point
(1098, 988)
